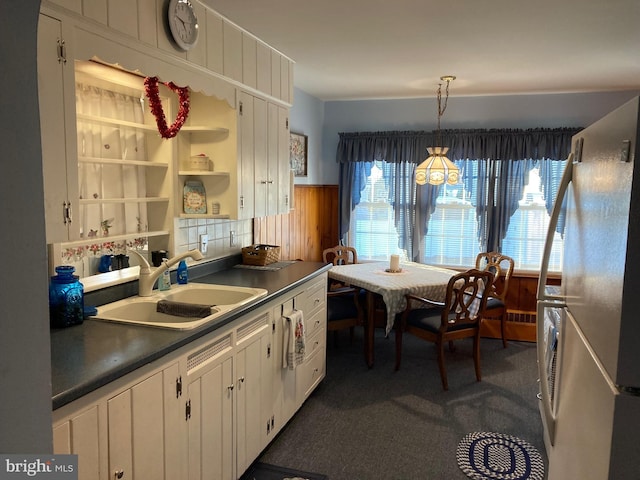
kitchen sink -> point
(205, 294)
(218, 299)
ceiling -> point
(366, 49)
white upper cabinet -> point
(250, 128)
(263, 66)
(214, 42)
(55, 83)
(249, 60)
(232, 45)
(109, 177)
(223, 47)
(284, 167)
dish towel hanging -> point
(293, 341)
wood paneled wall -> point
(308, 229)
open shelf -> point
(199, 173)
(100, 201)
(204, 215)
(116, 161)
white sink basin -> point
(205, 294)
(143, 310)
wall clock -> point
(183, 23)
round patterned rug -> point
(495, 456)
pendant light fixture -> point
(437, 168)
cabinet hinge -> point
(270, 424)
(286, 200)
(179, 386)
(241, 201)
(67, 216)
(287, 124)
(62, 51)
(268, 350)
(187, 410)
(240, 108)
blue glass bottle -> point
(66, 298)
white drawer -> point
(316, 298)
(310, 373)
(315, 322)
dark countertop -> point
(88, 356)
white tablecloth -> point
(416, 278)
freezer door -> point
(601, 269)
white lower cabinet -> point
(141, 428)
(252, 389)
(209, 411)
(133, 431)
(206, 411)
(79, 434)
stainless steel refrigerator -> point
(589, 329)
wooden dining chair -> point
(459, 316)
(344, 303)
(340, 255)
(502, 268)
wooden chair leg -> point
(398, 346)
(476, 355)
(503, 328)
(443, 371)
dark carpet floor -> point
(378, 424)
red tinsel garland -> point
(155, 104)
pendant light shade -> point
(437, 168)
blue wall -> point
(306, 117)
(323, 121)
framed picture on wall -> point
(298, 154)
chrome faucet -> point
(148, 277)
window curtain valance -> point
(496, 144)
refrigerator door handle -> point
(553, 222)
(549, 418)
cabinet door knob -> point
(118, 473)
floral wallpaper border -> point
(98, 249)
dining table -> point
(377, 279)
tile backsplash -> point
(188, 231)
